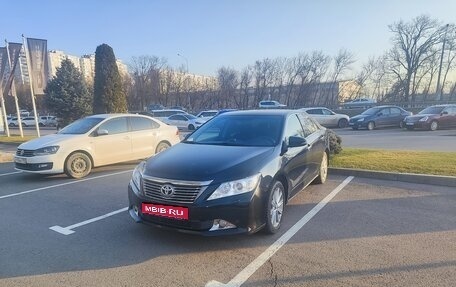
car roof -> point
(387, 106)
(106, 116)
(443, 105)
(279, 112)
(308, 108)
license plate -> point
(409, 124)
(20, 160)
(176, 212)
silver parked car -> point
(327, 118)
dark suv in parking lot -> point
(433, 118)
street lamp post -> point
(186, 80)
(186, 62)
(438, 90)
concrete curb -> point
(405, 177)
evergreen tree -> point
(67, 95)
(109, 96)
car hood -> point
(49, 140)
(360, 117)
(197, 162)
(420, 116)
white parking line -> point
(9, 173)
(63, 184)
(68, 230)
(248, 271)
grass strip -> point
(15, 139)
(420, 162)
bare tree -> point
(228, 82)
(244, 86)
(450, 63)
(146, 72)
(413, 45)
(342, 62)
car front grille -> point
(184, 192)
(24, 152)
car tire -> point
(342, 123)
(191, 127)
(24, 125)
(275, 206)
(401, 125)
(161, 147)
(323, 172)
(370, 126)
(434, 126)
(78, 165)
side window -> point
(449, 110)
(293, 127)
(308, 125)
(173, 118)
(139, 124)
(181, 118)
(115, 126)
(395, 111)
(314, 112)
(326, 112)
(385, 112)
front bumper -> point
(358, 125)
(417, 125)
(45, 164)
(245, 211)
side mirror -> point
(380, 114)
(296, 141)
(102, 132)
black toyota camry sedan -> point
(234, 174)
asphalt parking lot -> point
(370, 233)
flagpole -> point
(27, 57)
(2, 100)
(4, 112)
(13, 92)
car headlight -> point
(137, 174)
(46, 150)
(236, 187)
(361, 120)
(423, 119)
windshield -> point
(431, 110)
(81, 126)
(239, 130)
(371, 111)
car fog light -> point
(135, 210)
(220, 224)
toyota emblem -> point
(167, 190)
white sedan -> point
(185, 121)
(95, 141)
(327, 118)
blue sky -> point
(211, 34)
